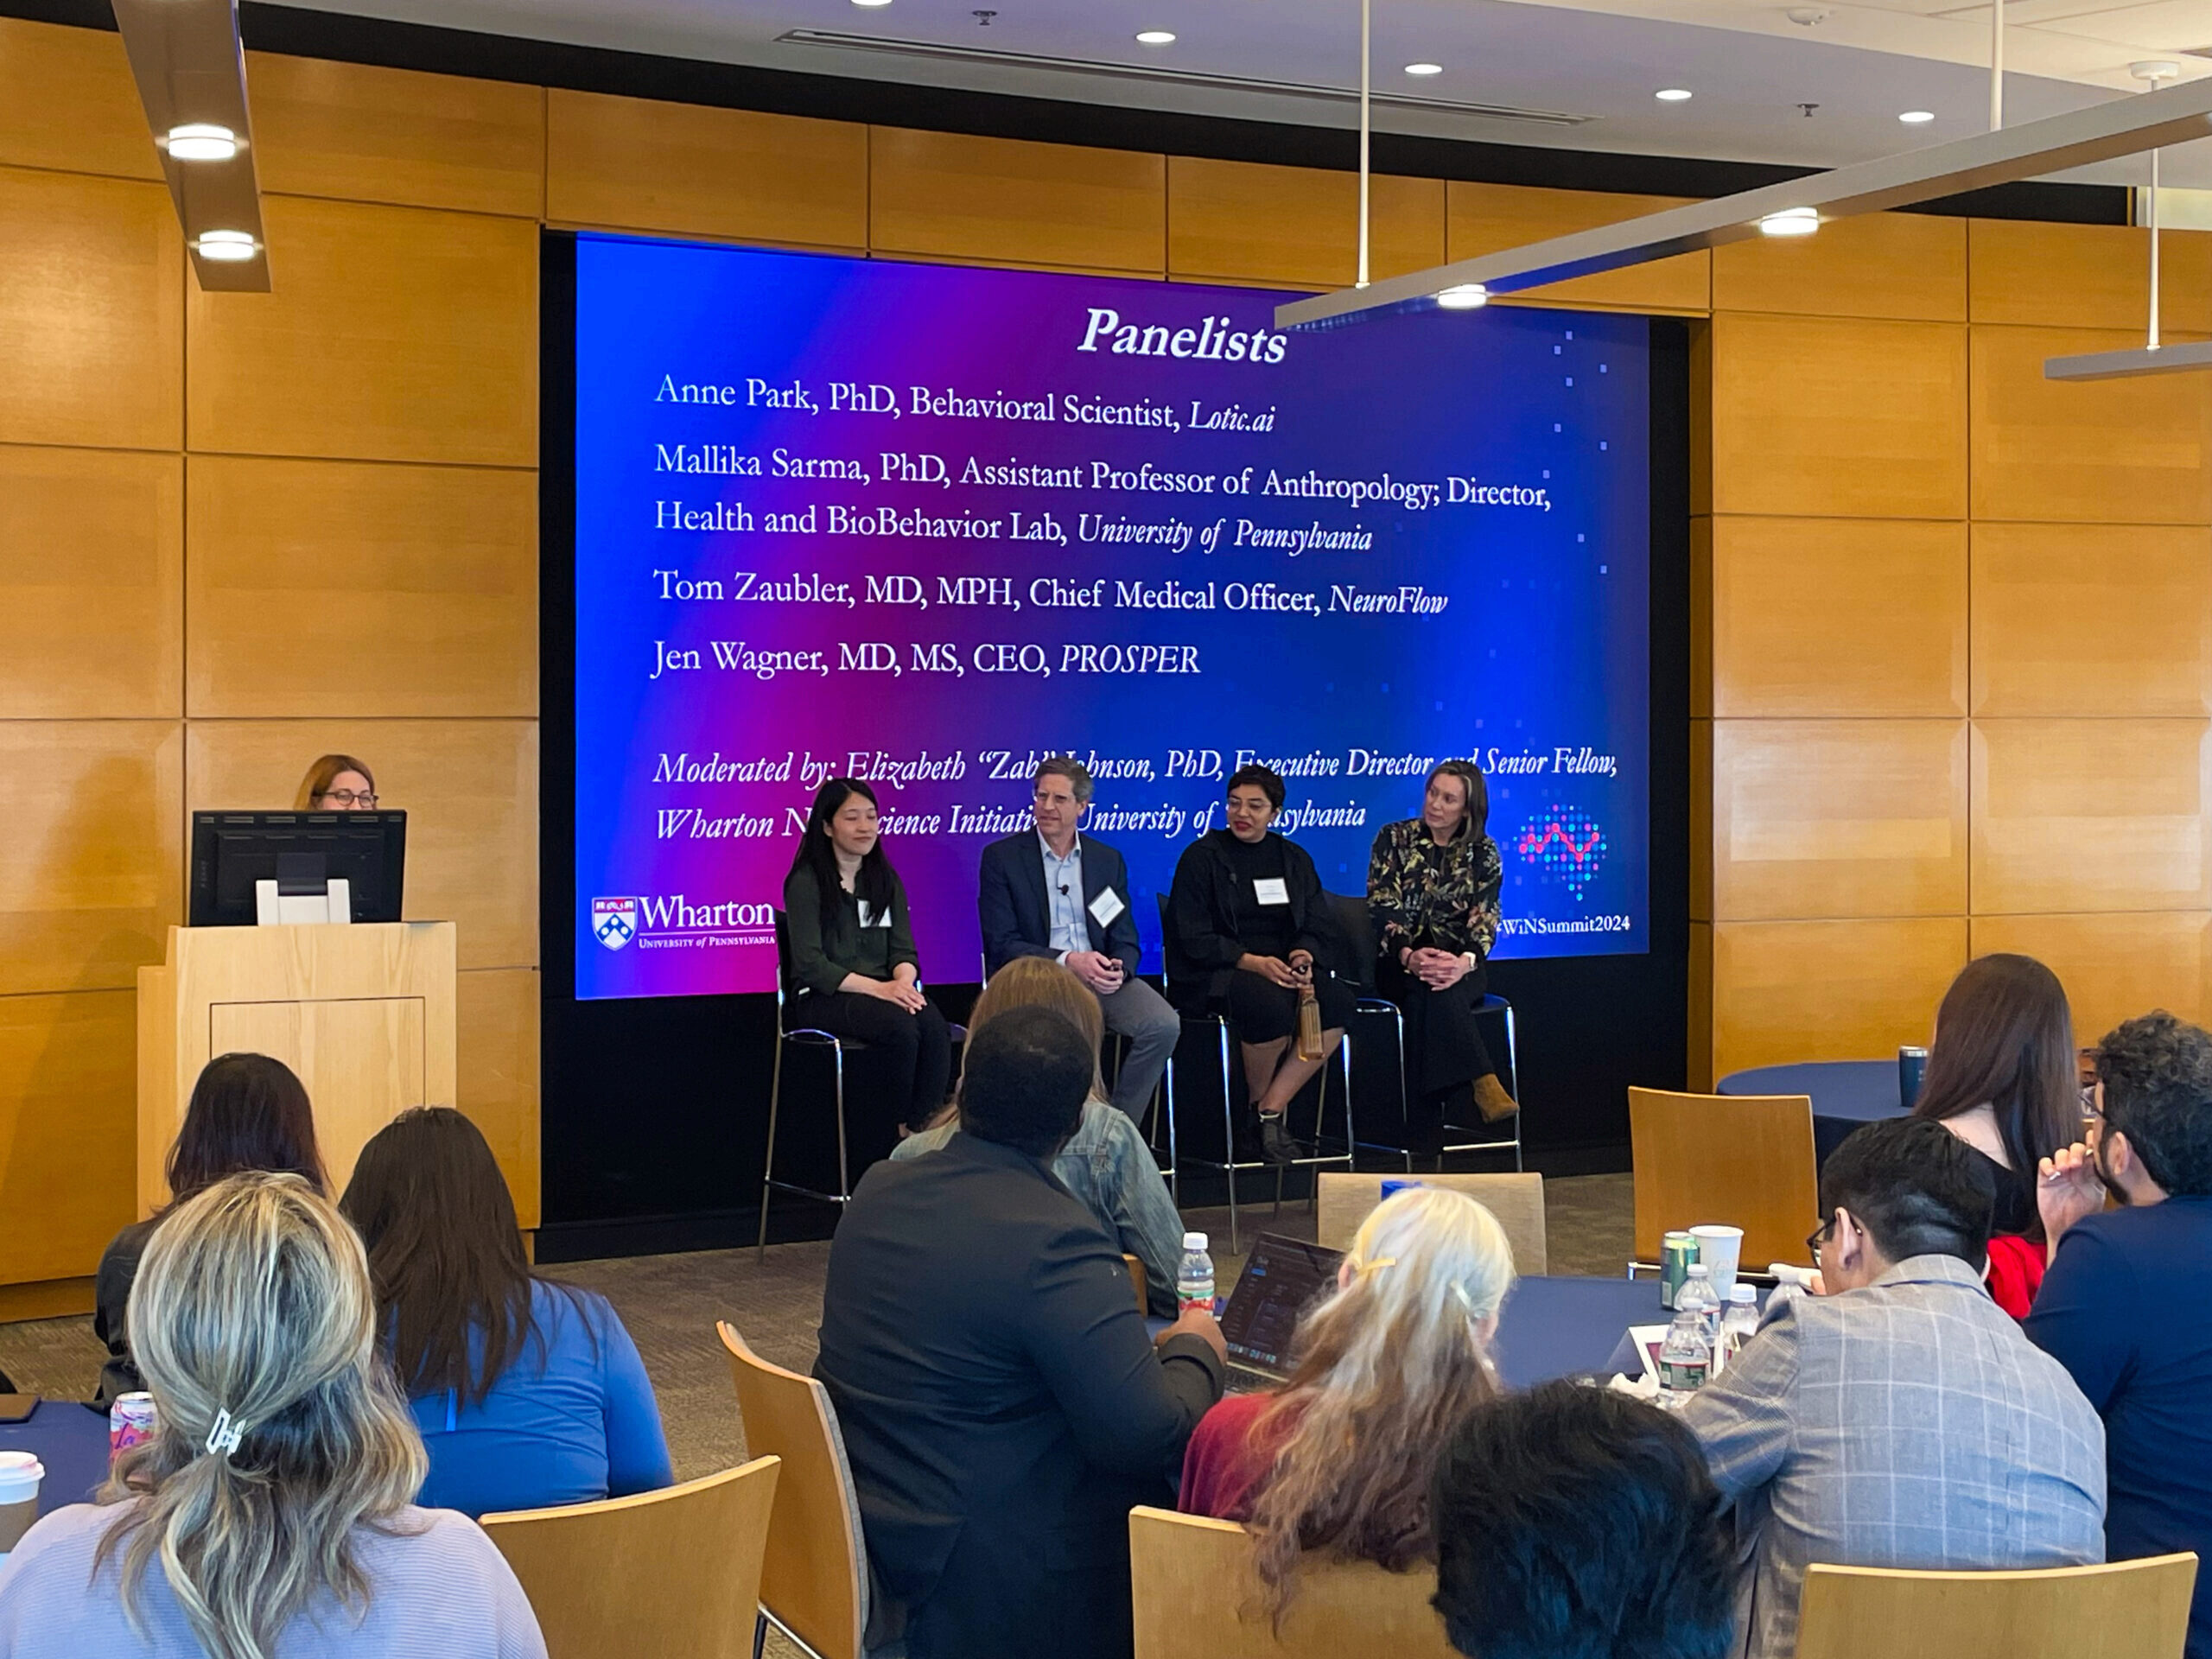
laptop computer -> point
(1283, 1278)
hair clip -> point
(1466, 1301)
(226, 1434)
(1378, 1264)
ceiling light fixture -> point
(1791, 221)
(229, 246)
(1154, 37)
(871, 5)
(1424, 68)
(1464, 296)
(1672, 95)
(1918, 118)
(202, 141)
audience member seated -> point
(1338, 1461)
(855, 970)
(247, 1112)
(273, 1511)
(1001, 1402)
(528, 1393)
(2002, 1076)
(1573, 1522)
(1107, 1165)
(1901, 1420)
(2128, 1307)
(1248, 924)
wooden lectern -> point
(363, 1012)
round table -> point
(1845, 1094)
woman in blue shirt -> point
(529, 1394)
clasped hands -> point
(1102, 973)
(1291, 975)
(901, 992)
(1438, 970)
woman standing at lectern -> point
(853, 967)
(1433, 886)
(337, 783)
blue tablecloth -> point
(71, 1441)
(1845, 1094)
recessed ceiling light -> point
(1154, 37)
(871, 5)
(1464, 296)
(1673, 94)
(229, 246)
(1791, 221)
(1918, 118)
(1424, 68)
(202, 141)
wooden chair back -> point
(1197, 1597)
(1738, 1161)
(2130, 1610)
(676, 1571)
(1516, 1200)
(1135, 1266)
(814, 1579)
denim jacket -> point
(1107, 1167)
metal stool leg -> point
(1513, 1059)
(1228, 1134)
(768, 1164)
(845, 1175)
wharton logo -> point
(614, 921)
(672, 921)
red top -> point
(2015, 1267)
(1226, 1464)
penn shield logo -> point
(614, 921)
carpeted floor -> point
(671, 1303)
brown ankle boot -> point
(1491, 1100)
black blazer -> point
(1202, 947)
(1001, 1402)
(1016, 912)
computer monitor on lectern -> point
(301, 853)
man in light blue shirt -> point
(1053, 892)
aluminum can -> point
(1912, 1066)
(129, 1421)
(1676, 1252)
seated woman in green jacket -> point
(854, 970)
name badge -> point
(1106, 906)
(1271, 890)
(870, 917)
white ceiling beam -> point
(2124, 126)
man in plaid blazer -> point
(1901, 1419)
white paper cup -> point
(20, 1475)
(1719, 1249)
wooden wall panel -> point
(368, 134)
(1907, 265)
(638, 163)
(497, 1017)
(2120, 452)
(1488, 218)
(1295, 226)
(469, 788)
(1813, 416)
(958, 197)
(91, 329)
(1838, 817)
(94, 873)
(1831, 990)
(394, 333)
(2088, 276)
(2114, 966)
(2089, 815)
(67, 101)
(342, 588)
(68, 1131)
(2092, 619)
(92, 575)
(1842, 617)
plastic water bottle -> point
(1698, 1295)
(1739, 1321)
(1685, 1358)
(1194, 1275)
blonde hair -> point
(323, 774)
(1040, 983)
(251, 1314)
(1385, 1369)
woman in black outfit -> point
(854, 965)
(1247, 923)
(1433, 886)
